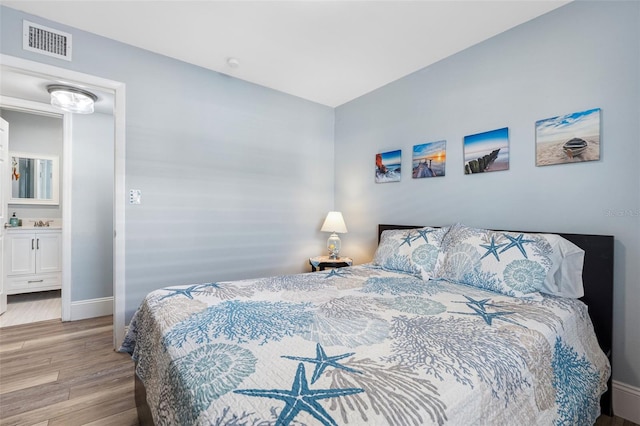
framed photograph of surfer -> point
(486, 152)
(569, 138)
(388, 166)
(429, 159)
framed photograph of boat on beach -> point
(388, 166)
(429, 159)
(486, 152)
(569, 138)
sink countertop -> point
(29, 225)
(34, 228)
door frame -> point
(23, 105)
(118, 88)
(4, 211)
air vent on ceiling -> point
(47, 41)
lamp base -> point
(333, 245)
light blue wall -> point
(235, 178)
(92, 206)
(581, 56)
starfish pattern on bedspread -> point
(187, 292)
(422, 233)
(478, 306)
(479, 303)
(301, 398)
(407, 239)
(336, 273)
(488, 317)
(322, 361)
(517, 242)
(492, 248)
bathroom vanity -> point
(33, 259)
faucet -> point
(40, 223)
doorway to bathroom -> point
(89, 175)
(32, 255)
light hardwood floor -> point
(32, 307)
(55, 373)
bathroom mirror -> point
(34, 178)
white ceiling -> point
(329, 52)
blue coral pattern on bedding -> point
(516, 264)
(363, 345)
(413, 251)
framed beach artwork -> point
(429, 159)
(388, 166)
(486, 152)
(570, 138)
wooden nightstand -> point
(319, 263)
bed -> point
(428, 337)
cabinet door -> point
(20, 254)
(48, 253)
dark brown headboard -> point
(597, 278)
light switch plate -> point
(135, 196)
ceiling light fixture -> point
(71, 99)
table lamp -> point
(334, 223)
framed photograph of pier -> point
(486, 152)
(429, 159)
(570, 138)
(388, 166)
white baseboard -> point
(91, 308)
(626, 401)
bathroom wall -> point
(37, 134)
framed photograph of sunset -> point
(487, 151)
(429, 159)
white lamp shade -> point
(334, 223)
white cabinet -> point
(33, 260)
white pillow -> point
(568, 277)
(412, 251)
(513, 263)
